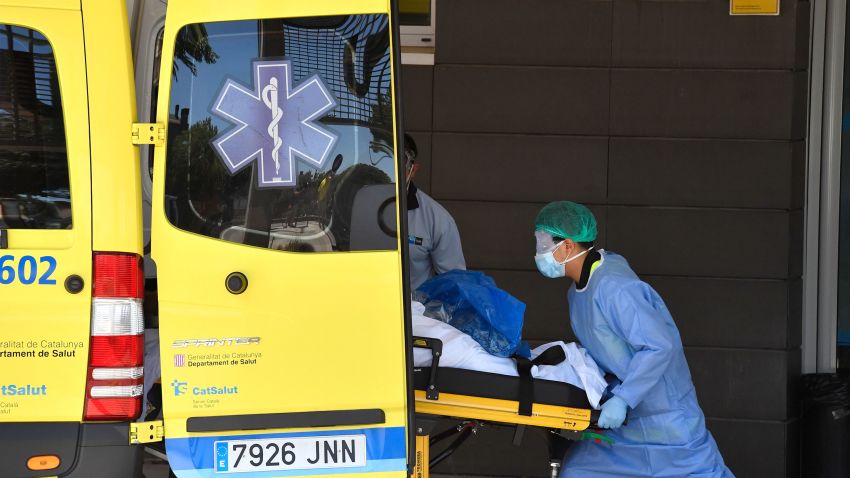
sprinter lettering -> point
(180, 344)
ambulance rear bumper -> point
(84, 449)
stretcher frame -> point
(570, 422)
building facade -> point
(685, 130)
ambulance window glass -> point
(313, 168)
(35, 190)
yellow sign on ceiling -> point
(414, 6)
(754, 7)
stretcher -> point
(474, 397)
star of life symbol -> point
(274, 123)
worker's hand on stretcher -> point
(613, 413)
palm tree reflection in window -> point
(192, 46)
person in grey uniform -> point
(433, 238)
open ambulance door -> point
(274, 229)
(45, 217)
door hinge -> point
(146, 432)
(148, 133)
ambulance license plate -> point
(293, 453)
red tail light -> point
(115, 383)
(117, 351)
(113, 407)
(118, 275)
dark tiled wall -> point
(683, 129)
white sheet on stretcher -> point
(462, 351)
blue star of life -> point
(274, 123)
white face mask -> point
(552, 268)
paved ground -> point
(155, 468)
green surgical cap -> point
(567, 220)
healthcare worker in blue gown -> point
(627, 329)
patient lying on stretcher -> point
(462, 351)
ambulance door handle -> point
(236, 283)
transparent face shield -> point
(544, 242)
(545, 258)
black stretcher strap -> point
(526, 386)
(551, 356)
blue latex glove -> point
(613, 413)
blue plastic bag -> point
(471, 302)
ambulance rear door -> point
(276, 240)
(45, 215)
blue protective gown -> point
(628, 330)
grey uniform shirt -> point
(433, 238)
